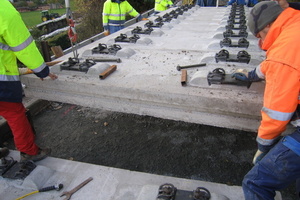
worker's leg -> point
(14, 113)
(231, 2)
(298, 188)
(274, 172)
(113, 29)
(200, 3)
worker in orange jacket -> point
(277, 160)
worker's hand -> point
(258, 156)
(244, 75)
(144, 19)
(52, 76)
(240, 74)
(106, 32)
(283, 3)
(264, 149)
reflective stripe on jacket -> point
(162, 5)
(114, 14)
(281, 70)
(16, 43)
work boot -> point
(4, 152)
(42, 153)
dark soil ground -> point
(147, 144)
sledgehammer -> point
(190, 66)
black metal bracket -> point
(168, 191)
(139, 30)
(243, 42)
(179, 11)
(242, 57)
(123, 38)
(230, 33)
(233, 21)
(68, 64)
(76, 66)
(16, 170)
(5, 165)
(235, 16)
(103, 49)
(231, 26)
(150, 24)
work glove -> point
(106, 32)
(240, 74)
(258, 156)
(244, 75)
(23, 71)
(263, 150)
(141, 18)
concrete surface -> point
(107, 184)
(147, 82)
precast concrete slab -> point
(147, 82)
(106, 183)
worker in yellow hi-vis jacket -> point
(114, 15)
(162, 5)
(16, 43)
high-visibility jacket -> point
(16, 43)
(281, 70)
(162, 5)
(114, 14)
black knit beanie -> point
(262, 14)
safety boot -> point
(4, 152)
(42, 153)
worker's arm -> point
(165, 3)
(170, 3)
(23, 46)
(280, 102)
(105, 15)
(131, 11)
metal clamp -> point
(229, 33)
(243, 42)
(123, 38)
(139, 30)
(150, 24)
(242, 57)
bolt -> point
(190, 66)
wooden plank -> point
(108, 71)
(183, 77)
(53, 62)
(57, 51)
